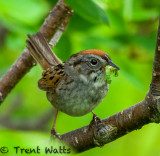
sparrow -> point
(77, 86)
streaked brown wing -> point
(51, 78)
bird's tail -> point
(41, 52)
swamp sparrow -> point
(76, 86)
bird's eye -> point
(93, 61)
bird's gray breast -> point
(77, 98)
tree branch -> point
(155, 84)
(114, 126)
(117, 125)
(39, 123)
(52, 29)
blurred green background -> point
(26, 116)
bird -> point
(76, 86)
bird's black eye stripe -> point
(93, 61)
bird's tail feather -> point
(41, 52)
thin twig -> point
(38, 124)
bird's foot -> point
(55, 134)
(100, 130)
(95, 121)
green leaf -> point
(28, 12)
(127, 11)
(89, 10)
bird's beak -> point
(113, 65)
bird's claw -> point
(95, 121)
(55, 134)
(101, 131)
